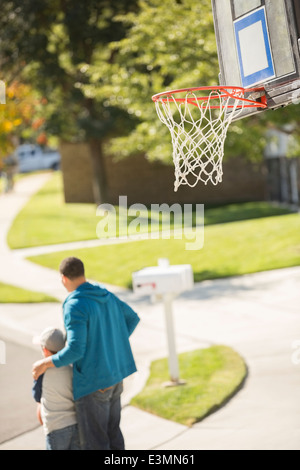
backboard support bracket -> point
(258, 44)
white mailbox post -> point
(166, 281)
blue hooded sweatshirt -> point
(98, 326)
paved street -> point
(17, 408)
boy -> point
(54, 394)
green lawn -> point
(11, 294)
(230, 249)
(212, 376)
(46, 219)
(238, 239)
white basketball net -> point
(198, 129)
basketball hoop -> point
(198, 119)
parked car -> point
(33, 157)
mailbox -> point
(163, 279)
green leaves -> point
(100, 62)
(167, 45)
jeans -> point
(63, 439)
(98, 416)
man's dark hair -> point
(72, 268)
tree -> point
(19, 117)
(169, 45)
(99, 62)
(45, 42)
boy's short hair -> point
(52, 339)
(72, 268)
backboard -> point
(258, 46)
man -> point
(98, 327)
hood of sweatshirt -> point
(90, 291)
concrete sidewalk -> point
(258, 315)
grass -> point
(230, 249)
(46, 219)
(212, 376)
(238, 239)
(12, 294)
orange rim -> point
(237, 93)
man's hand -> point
(41, 366)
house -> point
(148, 182)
